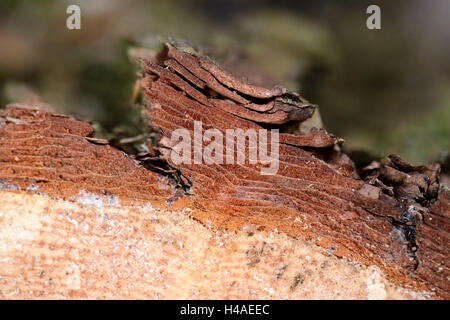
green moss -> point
(297, 280)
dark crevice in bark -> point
(415, 187)
(160, 166)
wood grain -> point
(393, 215)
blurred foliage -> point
(385, 91)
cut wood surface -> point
(97, 247)
(394, 215)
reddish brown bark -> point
(316, 192)
(55, 153)
(390, 218)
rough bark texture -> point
(390, 217)
(56, 153)
(433, 238)
(315, 192)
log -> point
(54, 157)
(316, 192)
(390, 214)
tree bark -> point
(393, 214)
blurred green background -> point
(384, 91)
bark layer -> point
(395, 216)
(57, 154)
(316, 192)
